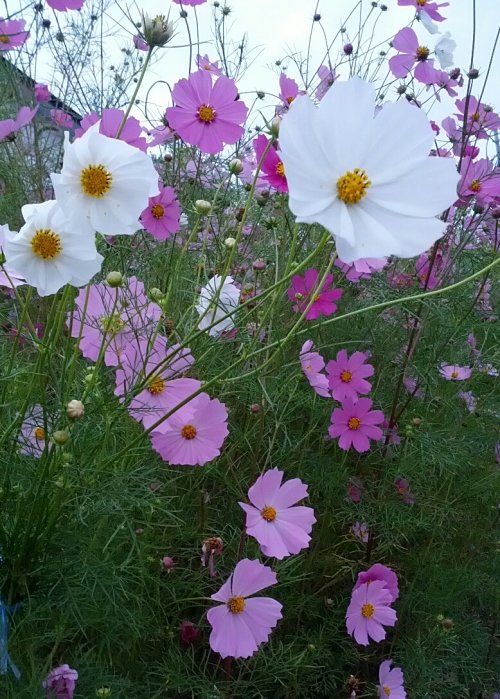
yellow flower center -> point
(280, 169)
(4, 39)
(290, 99)
(157, 386)
(189, 432)
(352, 186)
(475, 116)
(368, 610)
(454, 374)
(46, 244)
(387, 690)
(157, 211)
(268, 513)
(422, 53)
(236, 605)
(345, 376)
(206, 114)
(112, 324)
(354, 423)
(95, 181)
(421, 3)
(475, 185)
(39, 434)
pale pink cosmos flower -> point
(272, 169)
(42, 93)
(194, 434)
(481, 119)
(327, 77)
(12, 34)
(162, 215)
(362, 268)
(65, 5)
(410, 54)
(61, 118)
(190, 3)
(110, 122)
(288, 90)
(204, 63)
(60, 683)
(205, 115)
(312, 364)
(355, 424)
(139, 43)
(33, 436)
(378, 571)
(403, 489)
(390, 681)
(428, 6)
(361, 531)
(241, 623)
(273, 518)
(479, 179)
(24, 116)
(323, 299)
(452, 372)
(347, 375)
(369, 611)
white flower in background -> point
(8, 276)
(49, 251)
(428, 23)
(212, 308)
(368, 179)
(106, 182)
(444, 50)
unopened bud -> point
(455, 73)
(203, 207)
(60, 437)
(259, 265)
(447, 624)
(114, 279)
(473, 74)
(348, 48)
(167, 563)
(230, 242)
(156, 294)
(495, 213)
(157, 30)
(103, 692)
(255, 408)
(275, 126)
(260, 94)
(236, 166)
(417, 421)
(75, 409)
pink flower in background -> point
(361, 531)
(12, 34)
(347, 375)
(139, 43)
(303, 287)
(390, 681)
(273, 518)
(61, 119)
(190, 3)
(480, 117)
(190, 633)
(362, 268)
(355, 424)
(288, 90)
(272, 169)
(354, 492)
(33, 435)
(403, 489)
(205, 115)
(452, 372)
(60, 683)
(382, 573)
(24, 116)
(410, 54)
(481, 180)
(204, 63)
(327, 77)
(312, 364)
(427, 278)
(241, 623)
(194, 434)
(369, 611)
(411, 386)
(162, 215)
(110, 122)
(42, 93)
(427, 6)
(65, 5)
(441, 79)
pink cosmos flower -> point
(162, 215)
(479, 179)
(61, 118)
(382, 573)
(241, 623)
(369, 611)
(303, 287)
(452, 372)
(189, 632)
(190, 3)
(480, 117)
(204, 63)
(110, 122)
(390, 681)
(354, 492)
(194, 434)
(12, 34)
(42, 93)
(441, 80)
(312, 364)
(33, 436)
(65, 5)
(361, 532)
(362, 268)
(139, 43)
(205, 115)
(347, 375)
(427, 278)
(60, 683)
(431, 8)
(272, 169)
(356, 424)
(280, 527)
(288, 90)
(327, 77)
(410, 54)
(403, 489)
(24, 116)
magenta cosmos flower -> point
(65, 5)
(190, 3)
(312, 364)
(110, 122)
(288, 89)
(241, 623)
(280, 527)
(431, 8)
(194, 434)
(479, 179)
(60, 683)
(303, 287)
(390, 681)
(347, 375)
(369, 611)
(205, 115)
(356, 424)
(382, 573)
(410, 54)
(42, 93)
(162, 215)
(272, 169)
(452, 372)
(12, 34)
(204, 63)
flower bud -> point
(260, 94)
(60, 437)
(259, 265)
(495, 213)
(103, 692)
(167, 563)
(114, 279)
(255, 408)
(455, 73)
(75, 409)
(203, 207)
(275, 126)
(156, 294)
(348, 48)
(236, 166)
(230, 243)
(473, 74)
(157, 31)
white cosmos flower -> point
(8, 276)
(444, 50)
(50, 252)
(212, 308)
(368, 179)
(106, 182)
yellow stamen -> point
(475, 185)
(354, 423)
(95, 181)
(46, 244)
(236, 605)
(189, 432)
(157, 211)
(387, 690)
(39, 434)
(157, 386)
(454, 374)
(422, 53)
(206, 114)
(268, 513)
(352, 186)
(345, 376)
(421, 3)
(4, 39)
(368, 610)
(280, 169)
